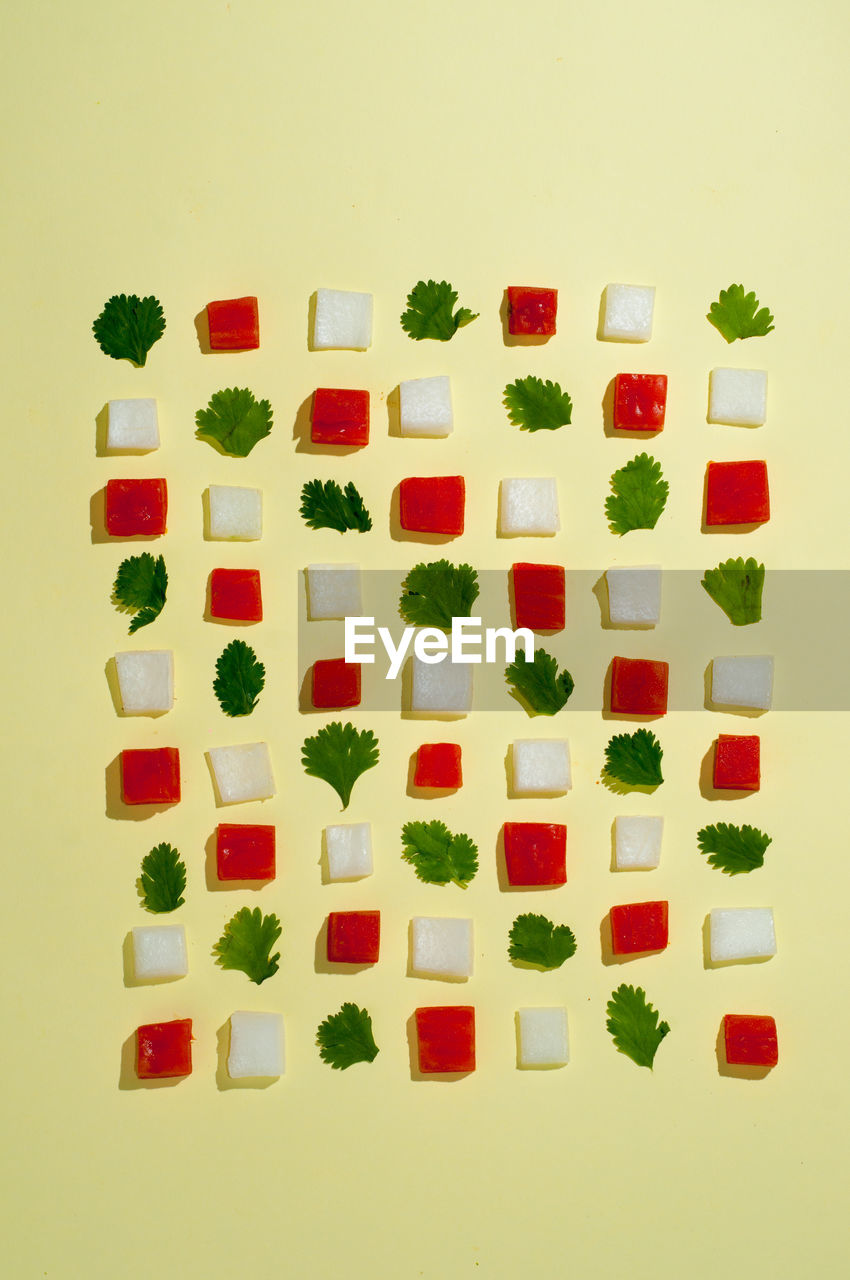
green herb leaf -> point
(239, 679)
(635, 759)
(339, 754)
(633, 1023)
(437, 856)
(535, 405)
(247, 942)
(128, 326)
(325, 506)
(433, 594)
(346, 1037)
(140, 587)
(536, 940)
(163, 879)
(234, 421)
(734, 850)
(736, 314)
(737, 585)
(538, 682)
(430, 312)
(639, 497)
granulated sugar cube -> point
(425, 407)
(742, 682)
(637, 842)
(737, 396)
(540, 766)
(333, 591)
(634, 595)
(235, 512)
(442, 688)
(243, 772)
(628, 312)
(543, 1037)
(159, 951)
(349, 850)
(343, 320)
(528, 507)
(742, 933)
(132, 426)
(441, 947)
(145, 680)
(256, 1045)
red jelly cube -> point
(539, 596)
(639, 687)
(638, 926)
(737, 765)
(750, 1040)
(446, 1035)
(432, 504)
(336, 683)
(640, 400)
(136, 507)
(340, 417)
(438, 765)
(244, 851)
(164, 1049)
(532, 312)
(736, 493)
(354, 937)
(235, 595)
(535, 853)
(150, 776)
(234, 324)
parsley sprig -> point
(234, 420)
(430, 312)
(140, 587)
(736, 314)
(339, 754)
(634, 759)
(734, 850)
(246, 944)
(538, 682)
(634, 1025)
(324, 505)
(535, 405)
(163, 879)
(535, 940)
(239, 679)
(433, 594)
(128, 326)
(346, 1037)
(639, 495)
(736, 586)
(437, 856)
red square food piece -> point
(532, 312)
(639, 687)
(235, 595)
(164, 1049)
(737, 765)
(539, 595)
(135, 507)
(750, 1040)
(354, 937)
(737, 493)
(640, 400)
(432, 504)
(234, 324)
(638, 926)
(438, 765)
(336, 683)
(340, 417)
(535, 853)
(150, 776)
(244, 851)
(446, 1035)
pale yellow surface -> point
(205, 150)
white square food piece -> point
(540, 766)
(543, 1037)
(333, 591)
(441, 947)
(349, 850)
(742, 933)
(628, 312)
(256, 1045)
(159, 951)
(133, 426)
(737, 396)
(425, 407)
(235, 512)
(243, 772)
(443, 688)
(343, 320)
(742, 682)
(637, 842)
(528, 507)
(634, 595)
(146, 681)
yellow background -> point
(207, 150)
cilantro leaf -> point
(536, 940)
(433, 594)
(639, 497)
(239, 679)
(429, 312)
(737, 585)
(633, 1023)
(247, 942)
(339, 754)
(128, 326)
(538, 682)
(234, 420)
(324, 505)
(140, 587)
(163, 879)
(437, 856)
(733, 849)
(535, 405)
(736, 315)
(635, 759)
(346, 1037)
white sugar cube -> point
(256, 1045)
(742, 682)
(742, 933)
(159, 951)
(333, 591)
(243, 772)
(343, 320)
(540, 766)
(132, 426)
(235, 512)
(425, 407)
(441, 947)
(528, 507)
(442, 688)
(737, 396)
(145, 680)
(628, 312)
(637, 842)
(634, 595)
(543, 1037)
(349, 850)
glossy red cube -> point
(438, 765)
(164, 1049)
(750, 1040)
(737, 762)
(336, 684)
(234, 324)
(150, 776)
(539, 596)
(235, 595)
(432, 504)
(640, 401)
(532, 312)
(535, 853)
(446, 1037)
(354, 937)
(638, 927)
(340, 417)
(244, 851)
(737, 493)
(136, 508)
(639, 687)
